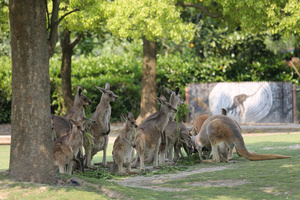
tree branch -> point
(66, 14)
(53, 27)
(293, 66)
(78, 38)
(168, 48)
(202, 8)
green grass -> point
(271, 179)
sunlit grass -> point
(270, 179)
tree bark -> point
(31, 157)
(66, 67)
(148, 99)
(67, 52)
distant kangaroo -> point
(101, 127)
(148, 136)
(67, 147)
(223, 134)
(62, 125)
(123, 146)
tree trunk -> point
(148, 99)
(67, 52)
(31, 157)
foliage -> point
(5, 89)
(152, 19)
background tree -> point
(31, 157)
(150, 20)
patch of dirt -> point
(151, 182)
(219, 183)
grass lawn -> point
(241, 179)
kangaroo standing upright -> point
(101, 127)
(123, 146)
(148, 136)
(171, 128)
(67, 147)
(61, 124)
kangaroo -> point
(198, 123)
(101, 127)
(223, 134)
(148, 136)
(175, 100)
(123, 146)
(61, 125)
(67, 147)
(201, 141)
(185, 142)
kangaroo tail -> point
(113, 168)
(242, 151)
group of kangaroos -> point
(158, 139)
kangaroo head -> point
(77, 126)
(81, 99)
(107, 94)
(175, 98)
(166, 107)
(130, 121)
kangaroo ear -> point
(107, 86)
(169, 91)
(72, 121)
(101, 89)
(124, 117)
(161, 101)
(177, 90)
(79, 89)
(224, 111)
(130, 115)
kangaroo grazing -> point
(223, 134)
(123, 146)
(200, 141)
(148, 136)
(187, 144)
(101, 127)
(61, 125)
(67, 147)
(177, 136)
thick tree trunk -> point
(67, 51)
(148, 100)
(31, 156)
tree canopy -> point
(152, 19)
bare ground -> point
(153, 181)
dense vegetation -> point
(216, 54)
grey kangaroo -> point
(61, 125)
(123, 147)
(100, 129)
(67, 147)
(148, 136)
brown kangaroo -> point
(198, 123)
(67, 147)
(223, 134)
(61, 125)
(123, 146)
(148, 136)
(100, 129)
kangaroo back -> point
(232, 131)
